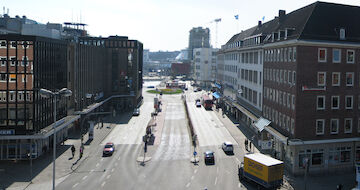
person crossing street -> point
(73, 150)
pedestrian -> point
(250, 146)
(246, 144)
(81, 152)
(73, 150)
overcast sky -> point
(159, 24)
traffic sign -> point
(195, 153)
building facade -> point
(205, 66)
(311, 88)
(198, 38)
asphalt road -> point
(170, 166)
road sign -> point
(195, 153)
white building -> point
(205, 66)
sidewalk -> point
(16, 175)
(318, 182)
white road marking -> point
(188, 185)
(102, 159)
(97, 165)
(195, 171)
(112, 170)
(237, 160)
(192, 177)
(84, 177)
(239, 185)
(119, 158)
(102, 185)
(75, 185)
(107, 177)
(92, 170)
(215, 180)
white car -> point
(228, 147)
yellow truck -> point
(262, 169)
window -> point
(339, 155)
(350, 55)
(290, 78)
(12, 61)
(12, 77)
(13, 44)
(336, 55)
(3, 60)
(3, 77)
(24, 79)
(320, 124)
(292, 102)
(294, 77)
(25, 61)
(336, 79)
(320, 103)
(322, 55)
(348, 125)
(290, 54)
(349, 79)
(334, 126)
(335, 102)
(2, 43)
(12, 96)
(321, 78)
(294, 58)
(303, 155)
(348, 102)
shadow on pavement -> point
(19, 171)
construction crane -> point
(216, 30)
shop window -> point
(345, 154)
(317, 157)
(303, 155)
(357, 154)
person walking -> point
(246, 144)
(250, 146)
(73, 150)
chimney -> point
(281, 15)
(259, 23)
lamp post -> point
(47, 94)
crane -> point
(216, 29)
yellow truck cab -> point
(262, 169)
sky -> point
(161, 25)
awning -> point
(218, 85)
(261, 123)
(276, 134)
(246, 112)
(216, 95)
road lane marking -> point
(84, 177)
(195, 171)
(92, 170)
(102, 159)
(192, 177)
(102, 185)
(97, 165)
(112, 170)
(119, 158)
(107, 177)
(215, 180)
(188, 185)
(75, 185)
(239, 185)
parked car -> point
(109, 149)
(209, 157)
(151, 87)
(228, 147)
(199, 89)
(197, 103)
(136, 112)
(195, 90)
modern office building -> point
(310, 86)
(199, 38)
(205, 66)
(104, 74)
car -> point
(136, 112)
(228, 147)
(151, 87)
(209, 157)
(109, 149)
(195, 90)
(199, 89)
(198, 104)
(185, 88)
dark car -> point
(109, 149)
(209, 157)
(199, 89)
(136, 112)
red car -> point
(109, 149)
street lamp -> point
(47, 94)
